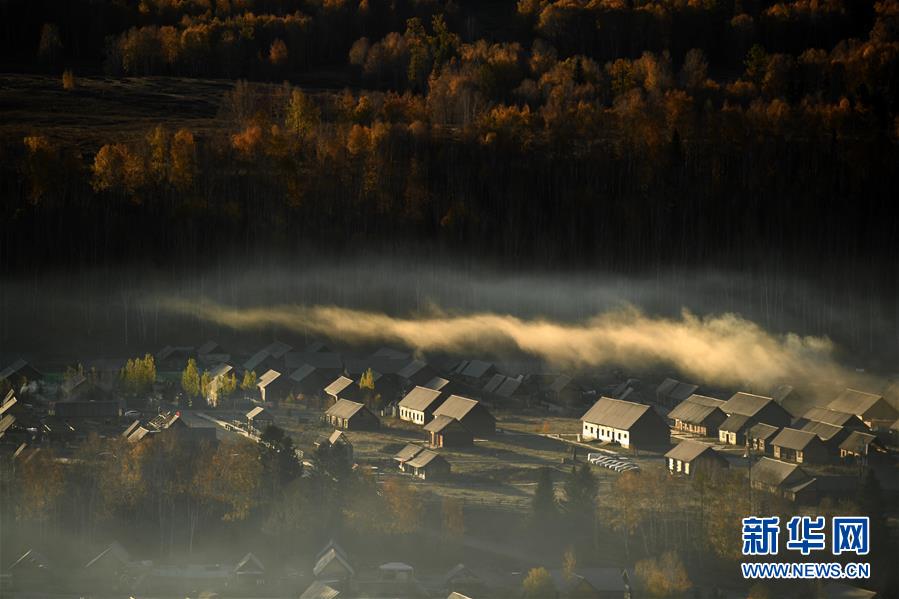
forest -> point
(624, 133)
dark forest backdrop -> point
(625, 133)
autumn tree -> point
(68, 80)
(277, 53)
(139, 375)
(302, 114)
(183, 160)
(248, 383)
(42, 483)
(665, 576)
(538, 584)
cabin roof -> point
(615, 413)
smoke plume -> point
(725, 349)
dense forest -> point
(629, 132)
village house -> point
(564, 391)
(428, 465)
(802, 447)
(336, 447)
(403, 456)
(259, 419)
(438, 383)
(789, 399)
(332, 565)
(444, 431)
(463, 581)
(474, 415)
(110, 568)
(20, 372)
(342, 388)
(419, 404)
(216, 379)
(173, 358)
(416, 372)
(350, 415)
(307, 381)
(833, 417)
(273, 386)
(863, 447)
(690, 457)
(783, 479)
(759, 436)
(249, 574)
(320, 590)
(602, 583)
(31, 570)
(672, 392)
(873, 410)
(830, 434)
(626, 423)
(745, 410)
(698, 415)
(757, 407)
(475, 372)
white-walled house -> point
(626, 423)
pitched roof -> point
(207, 348)
(277, 349)
(857, 442)
(509, 387)
(71, 383)
(615, 413)
(31, 558)
(344, 408)
(255, 360)
(326, 360)
(705, 400)
(854, 401)
(329, 556)
(676, 389)
(437, 383)
(250, 563)
(734, 423)
(8, 402)
(338, 436)
(420, 399)
(439, 423)
(6, 422)
(423, 458)
(825, 431)
(693, 412)
(746, 404)
(14, 368)
(408, 452)
(411, 369)
(762, 431)
(320, 590)
(114, 550)
(301, 373)
(220, 370)
(476, 368)
(687, 451)
(495, 381)
(315, 347)
(774, 472)
(781, 392)
(255, 412)
(792, 438)
(456, 407)
(268, 378)
(828, 416)
(339, 385)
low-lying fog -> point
(728, 327)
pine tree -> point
(543, 506)
(580, 491)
